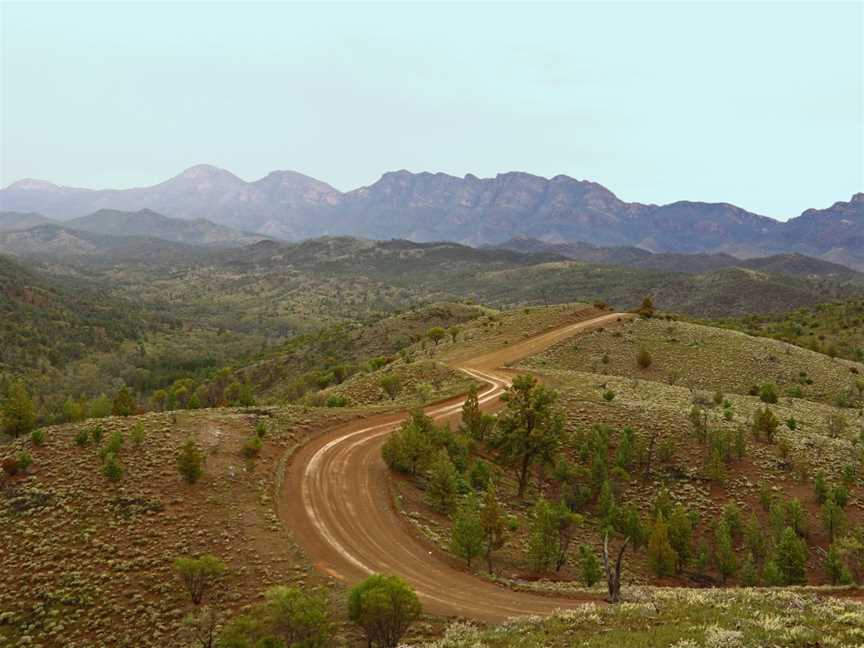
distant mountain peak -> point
(206, 171)
(28, 184)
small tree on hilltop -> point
(436, 334)
(530, 428)
(646, 310)
(18, 414)
(190, 462)
(383, 607)
(198, 574)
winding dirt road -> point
(336, 501)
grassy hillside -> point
(683, 619)
(707, 358)
(836, 328)
(98, 555)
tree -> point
(681, 535)
(410, 448)
(160, 396)
(765, 424)
(589, 566)
(199, 574)
(384, 607)
(613, 575)
(123, 403)
(443, 483)
(391, 385)
(543, 544)
(200, 627)
(531, 426)
(468, 533)
(436, 334)
(18, 414)
(492, 522)
(475, 424)
(190, 462)
(835, 570)
(791, 557)
(298, 618)
(851, 549)
(833, 518)
(646, 310)
(661, 556)
(768, 393)
(724, 552)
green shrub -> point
(111, 468)
(336, 400)
(24, 460)
(768, 393)
(643, 358)
(383, 607)
(252, 447)
(37, 437)
(96, 434)
(190, 462)
(82, 438)
(137, 434)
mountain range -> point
(471, 210)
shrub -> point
(589, 566)
(261, 429)
(643, 358)
(82, 438)
(111, 468)
(37, 437)
(768, 393)
(765, 424)
(383, 607)
(479, 475)
(391, 385)
(608, 395)
(336, 400)
(190, 462)
(96, 434)
(198, 574)
(252, 446)
(137, 435)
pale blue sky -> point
(761, 105)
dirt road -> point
(336, 501)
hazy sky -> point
(761, 105)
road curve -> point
(336, 501)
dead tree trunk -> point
(613, 578)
